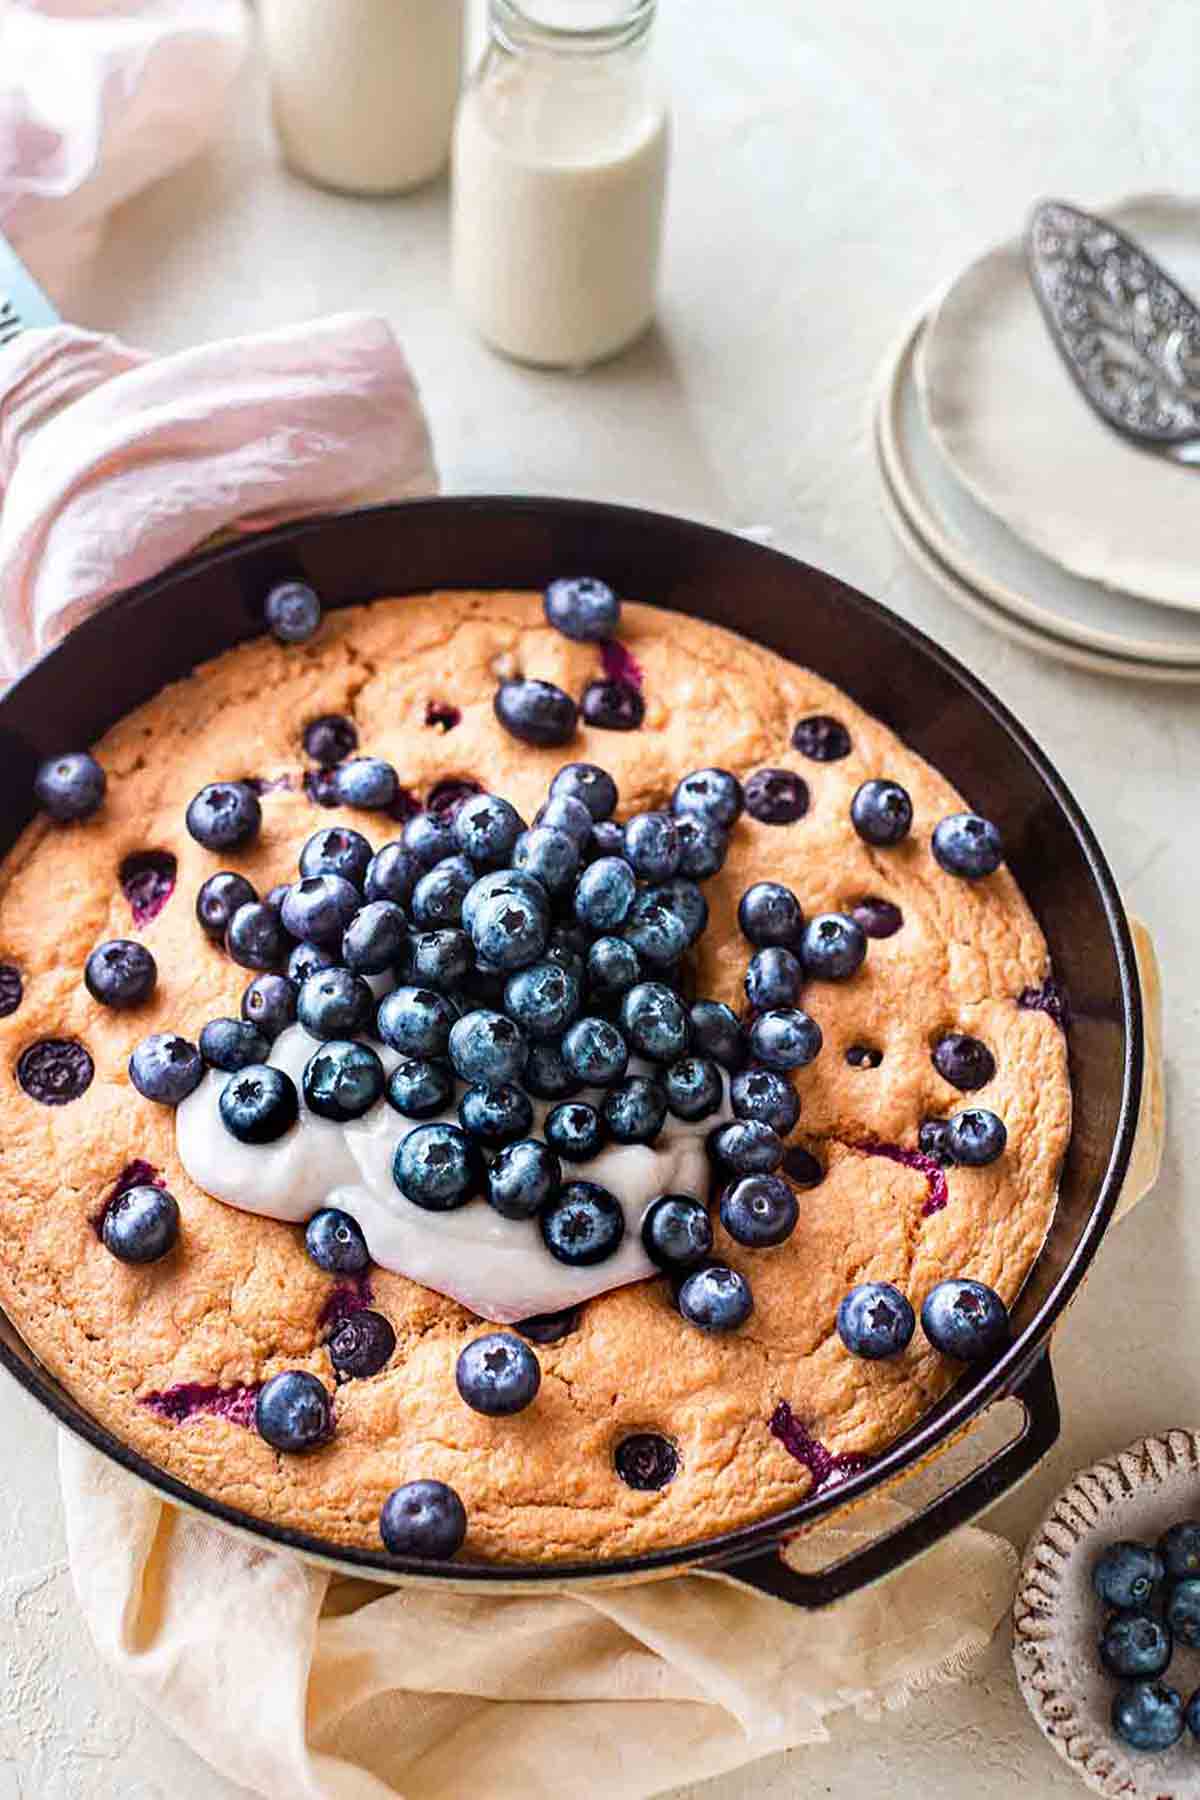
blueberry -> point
(774, 977)
(1147, 1715)
(607, 839)
(292, 612)
(568, 814)
(963, 1061)
(769, 913)
(680, 896)
(503, 884)
(821, 738)
(224, 814)
(645, 1461)
(274, 897)
(612, 706)
(574, 1130)
(543, 999)
(333, 1003)
(693, 1088)
(342, 1080)
(765, 1094)
(966, 845)
(392, 874)
(509, 930)
(878, 918)
(441, 959)
(293, 1411)
(547, 1076)
(219, 898)
(438, 1167)
(549, 1328)
(776, 797)
(717, 1033)
(933, 1140)
(420, 1087)
(677, 1232)
(496, 1115)
(550, 856)
(1183, 1611)
(1135, 1644)
(591, 786)
(232, 1045)
(703, 845)
(318, 908)
(635, 1110)
(657, 931)
(498, 1374)
(655, 1022)
(715, 1298)
(785, 1038)
(416, 1021)
(582, 607)
(976, 1137)
(875, 1320)
(256, 938)
(712, 794)
(881, 813)
(759, 1211)
(423, 1519)
(487, 1047)
(486, 828)
(335, 1243)
(1192, 1714)
(652, 845)
(366, 782)
(269, 1005)
(375, 938)
(536, 712)
(337, 851)
(429, 839)
(604, 894)
(437, 898)
(964, 1319)
(165, 1068)
(863, 1056)
(832, 946)
(259, 1104)
(595, 1051)
(568, 946)
(523, 1178)
(1179, 1548)
(120, 974)
(309, 959)
(612, 966)
(584, 1225)
(360, 1345)
(140, 1224)
(748, 1147)
(329, 739)
(70, 786)
(1127, 1574)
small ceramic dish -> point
(1056, 1616)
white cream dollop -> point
(498, 1267)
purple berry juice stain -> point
(269, 784)
(346, 1298)
(621, 665)
(823, 1465)
(135, 1174)
(195, 1399)
(441, 714)
(938, 1189)
(147, 879)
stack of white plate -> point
(1007, 489)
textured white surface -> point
(832, 165)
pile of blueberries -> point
(1153, 1597)
(533, 962)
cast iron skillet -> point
(160, 630)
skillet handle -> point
(957, 1506)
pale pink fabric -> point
(114, 463)
(98, 98)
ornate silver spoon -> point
(1128, 334)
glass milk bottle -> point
(559, 175)
(363, 91)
